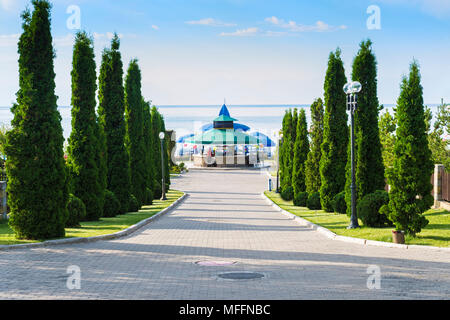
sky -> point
(199, 52)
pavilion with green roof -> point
(225, 140)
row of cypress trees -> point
(300, 158)
(324, 164)
(116, 149)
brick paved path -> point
(224, 218)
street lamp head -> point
(347, 88)
(162, 135)
(352, 87)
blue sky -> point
(251, 52)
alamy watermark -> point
(374, 20)
(374, 279)
(74, 280)
(74, 20)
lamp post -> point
(280, 141)
(351, 90)
(163, 185)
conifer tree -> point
(156, 129)
(312, 172)
(287, 151)
(135, 143)
(387, 125)
(37, 187)
(280, 149)
(440, 147)
(101, 160)
(335, 133)
(166, 151)
(369, 169)
(409, 178)
(83, 141)
(148, 143)
(301, 150)
(111, 113)
(295, 117)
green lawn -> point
(437, 233)
(102, 227)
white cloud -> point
(241, 33)
(7, 40)
(273, 20)
(64, 41)
(7, 4)
(107, 35)
(293, 26)
(97, 35)
(275, 33)
(155, 27)
(210, 22)
(437, 8)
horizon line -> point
(238, 105)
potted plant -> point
(398, 236)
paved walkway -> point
(224, 218)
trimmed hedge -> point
(301, 199)
(287, 193)
(313, 202)
(157, 189)
(148, 197)
(339, 203)
(369, 209)
(134, 204)
(77, 212)
(111, 207)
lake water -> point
(188, 119)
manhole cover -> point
(241, 275)
(208, 263)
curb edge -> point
(113, 236)
(331, 235)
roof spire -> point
(224, 111)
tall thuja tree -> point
(301, 150)
(135, 143)
(438, 144)
(409, 178)
(387, 125)
(369, 160)
(281, 148)
(111, 113)
(165, 151)
(293, 135)
(156, 154)
(287, 151)
(312, 172)
(37, 187)
(295, 117)
(148, 144)
(83, 142)
(335, 133)
(101, 159)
